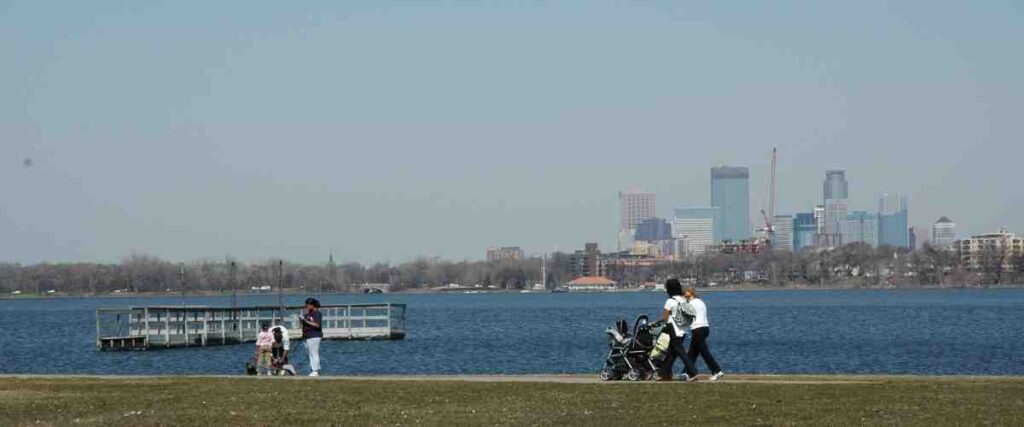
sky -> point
(384, 131)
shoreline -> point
(289, 293)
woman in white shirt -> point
(677, 332)
(699, 334)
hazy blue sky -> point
(387, 130)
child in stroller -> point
(630, 355)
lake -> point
(962, 332)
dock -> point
(159, 327)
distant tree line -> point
(855, 265)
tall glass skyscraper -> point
(730, 193)
(893, 229)
(836, 186)
(835, 192)
(804, 229)
(860, 226)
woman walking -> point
(699, 332)
(677, 332)
(312, 333)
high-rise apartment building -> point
(730, 193)
(893, 229)
(859, 226)
(999, 250)
(805, 227)
(782, 238)
(944, 233)
(634, 206)
(695, 228)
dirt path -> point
(593, 379)
(554, 379)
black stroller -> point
(629, 354)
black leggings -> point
(699, 346)
(676, 349)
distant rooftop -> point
(943, 220)
(593, 281)
(730, 172)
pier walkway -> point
(155, 327)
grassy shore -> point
(784, 400)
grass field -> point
(782, 400)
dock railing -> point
(150, 327)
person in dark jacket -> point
(312, 333)
(677, 331)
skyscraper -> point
(944, 233)
(836, 186)
(860, 226)
(819, 218)
(695, 227)
(804, 229)
(836, 193)
(782, 238)
(730, 193)
(892, 221)
(634, 206)
(652, 230)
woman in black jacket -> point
(677, 332)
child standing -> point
(264, 348)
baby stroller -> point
(278, 367)
(629, 354)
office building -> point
(819, 218)
(508, 253)
(836, 193)
(634, 207)
(804, 229)
(730, 193)
(653, 230)
(695, 228)
(991, 251)
(782, 237)
(835, 186)
(892, 221)
(859, 226)
(944, 233)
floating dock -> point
(157, 327)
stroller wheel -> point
(635, 375)
(609, 375)
(647, 375)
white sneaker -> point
(314, 374)
(717, 376)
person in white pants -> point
(312, 333)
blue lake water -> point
(891, 332)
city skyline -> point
(390, 131)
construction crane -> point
(769, 229)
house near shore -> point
(591, 283)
